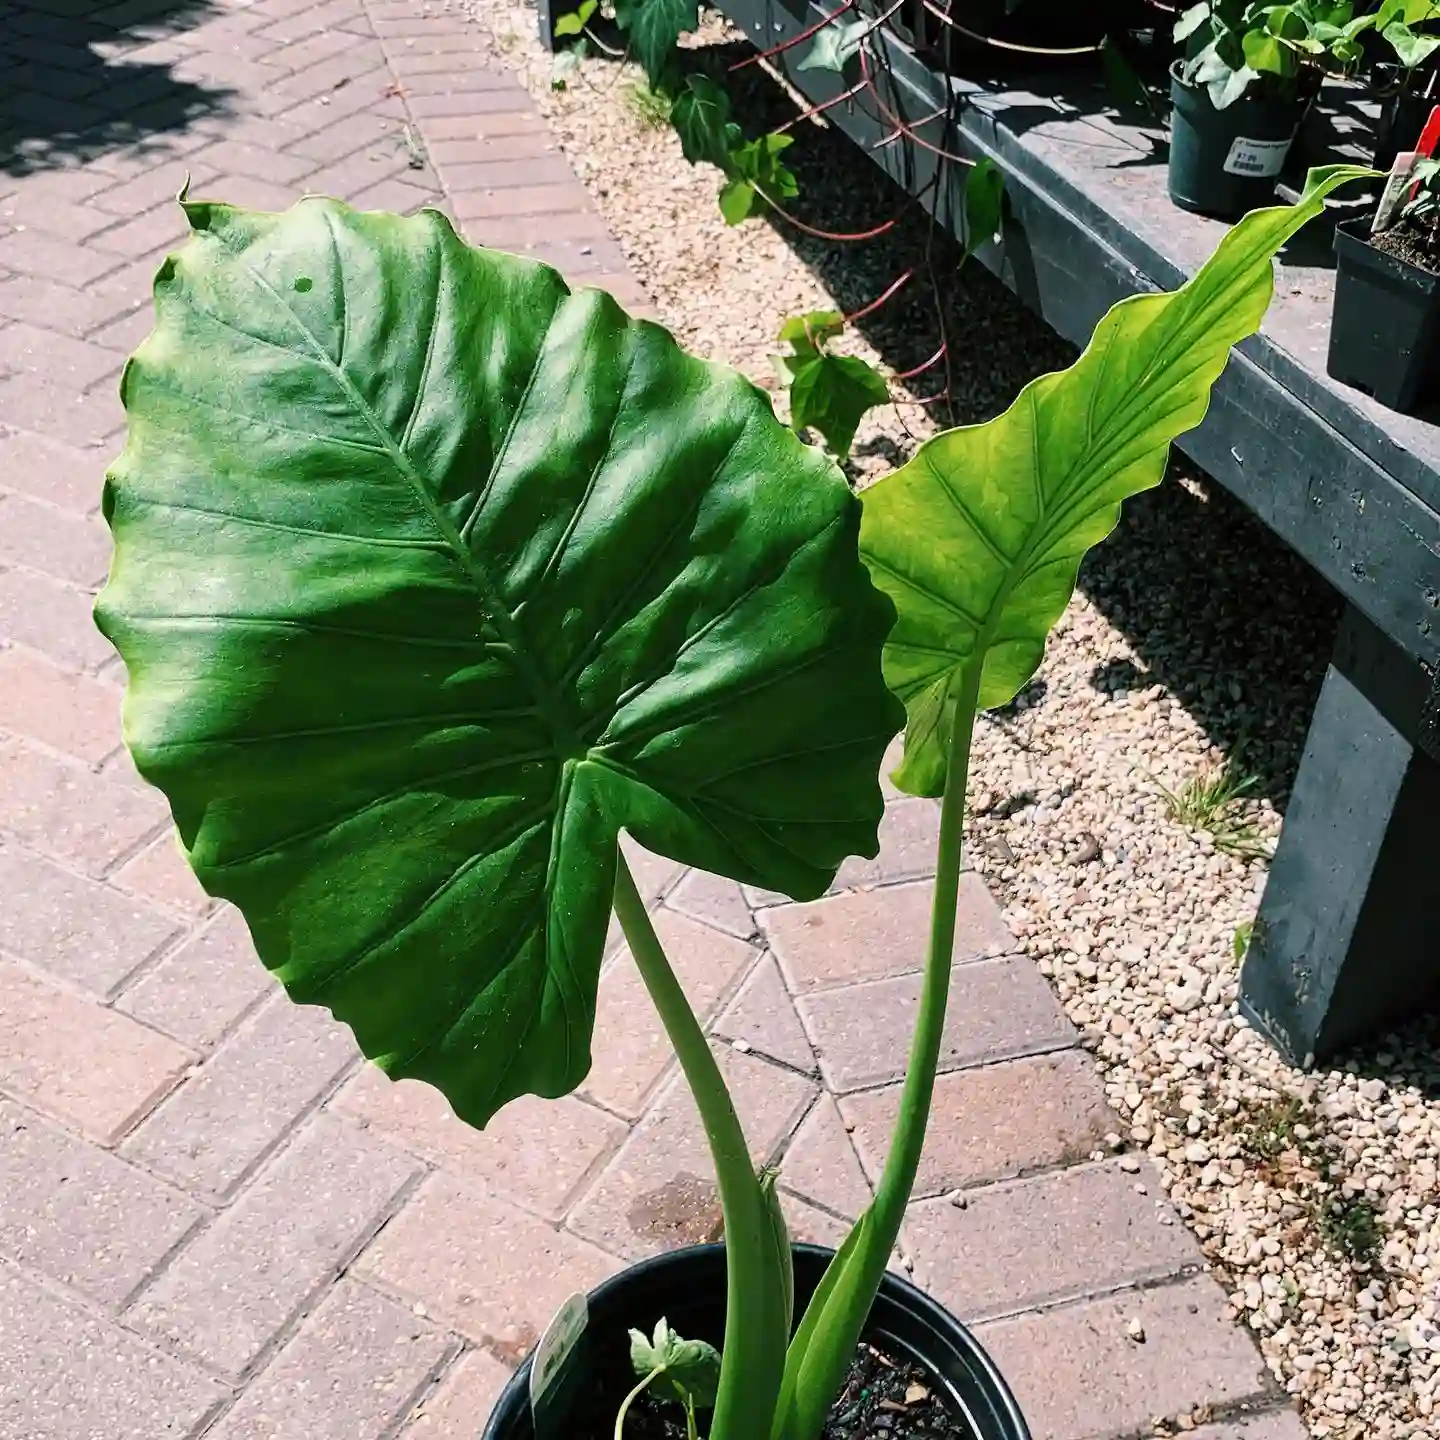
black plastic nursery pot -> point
(687, 1288)
(1385, 331)
(1225, 162)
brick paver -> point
(211, 1222)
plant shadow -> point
(75, 83)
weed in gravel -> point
(1240, 941)
(1271, 1129)
(649, 106)
(1214, 802)
(1350, 1225)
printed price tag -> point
(1257, 157)
(548, 1364)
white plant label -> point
(555, 1346)
(1263, 158)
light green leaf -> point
(984, 203)
(756, 170)
(430, 577)
(831, 393)
(1411, 49)
(1265, 53)
(978, 539)
(576, 20)
(807, 334)
(655, 28)
(737, 201)
(688, 1370)
(836, 45)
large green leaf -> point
(979, 538)
(430, 576)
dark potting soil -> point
(1419, 245)
(882, 1400)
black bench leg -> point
(1347, 941)
(548, 11)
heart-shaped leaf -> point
(430, 576)
(979, 538)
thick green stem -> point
(897, 1180)
(756, 1333)
(826, 1340)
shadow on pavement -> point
(70, 90)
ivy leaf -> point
(835, 46)
(701, 117)
(577, 20)
(984, 203)
(688, 1370)
(978, 539)
(431, 577)
(1411, 49)
(831, 393)
(807, 334)
(566, 62)
(655, 28)
(755, 169)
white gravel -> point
(1315, 1196)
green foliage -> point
(651, 107)
(685, 1370)
(756, 174)
(1399, 21)
(1423, 207)
(1240, 940)
(1270, 1129)
(430, 577)
(700, 114)
(1350, 1225)
(1215, 803)
(829, 393)
(836, 45)
(1233, 46)
(978, 539)
(655, 28)
(576, 21)
(984, 203)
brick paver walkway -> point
(212, 1219)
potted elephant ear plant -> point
(432, 577)
(1249, 72)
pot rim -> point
(896, 1289)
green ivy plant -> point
(1403, 24)
(432, 577)
(1235, 47)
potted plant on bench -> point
(432, 577)
(1239, 95)
(1385, 330)
(1408, 80)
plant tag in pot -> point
(1394, 194)
(1261, 158)
(552, 1373)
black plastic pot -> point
(1402, 117)
(1225, 162)
(687, 1287)
(1385, 332)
